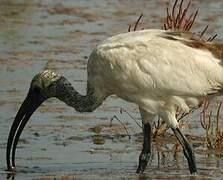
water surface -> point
(59, 142)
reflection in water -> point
(10, 176)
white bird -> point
(158, 70)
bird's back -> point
(155, 64)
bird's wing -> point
(182, 35)
(151, 61)
(182, 64)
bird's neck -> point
(81, 103)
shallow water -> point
(58, 142)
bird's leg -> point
(188, 153)
(168, 115)
(146, 150)
(147, 119)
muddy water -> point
(58, 142)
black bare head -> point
(43, 86)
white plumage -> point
(157, 73)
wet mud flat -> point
(59, 143)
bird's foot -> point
(11, 169)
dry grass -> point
(212, 126)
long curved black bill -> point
(30, 104)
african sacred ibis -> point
(158, 70)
